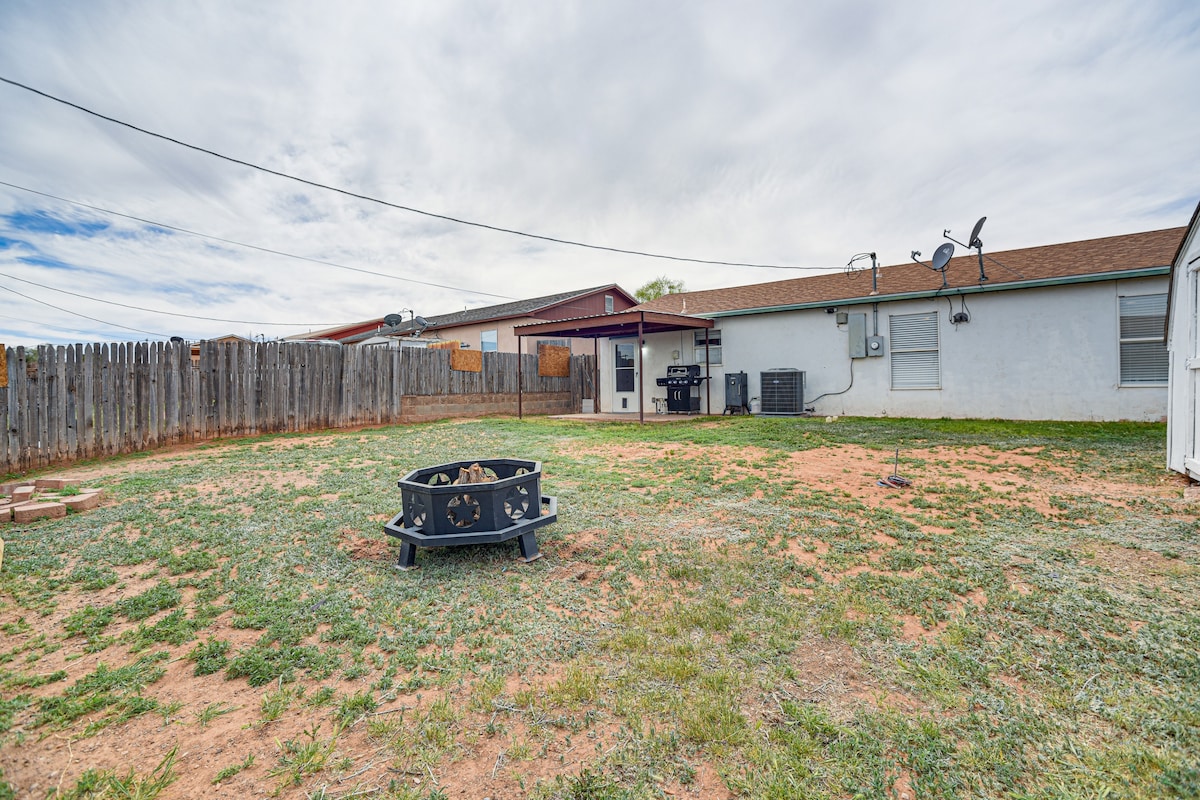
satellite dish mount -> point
(973, 243)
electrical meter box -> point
(858, 335)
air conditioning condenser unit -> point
(782, 392)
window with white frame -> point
(608, 304)
(916, 363)
(1143, 349)
(713, 337)
(488, 342)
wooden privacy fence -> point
(63, 404)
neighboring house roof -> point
(338, 331)
(1094, 259)
(534, 306)
(229, 337)
(518, 308)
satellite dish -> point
(942, 256)
(974, 240)
(392, 320)
(177, 339)
(421, 324)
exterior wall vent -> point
(782, 392)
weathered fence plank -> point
(63, 404)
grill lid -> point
(683, 371)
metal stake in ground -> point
(894, 480)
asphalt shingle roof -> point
(517, 308)
(1048, 262)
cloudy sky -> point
(781, 133)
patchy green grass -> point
(724, 606)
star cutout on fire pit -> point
(516, 502)
(416, 512)
(463, 511)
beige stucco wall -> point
(506, 340)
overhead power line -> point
(167, 313)
(254, 247)
(410, 209)
(85, 316)
(26, 321)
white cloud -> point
(764, 132)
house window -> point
(608, 304)
(915, 360)
(1143, 350)
(623, 363)
(487, 341)
(713, 337)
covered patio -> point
(623, 324)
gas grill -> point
(683, 393)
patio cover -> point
(618, 325)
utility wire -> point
(168, 313)
(252, 247)
(85, 316)
(410, 209)
(26, 321)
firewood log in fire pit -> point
(472, 474)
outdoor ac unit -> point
(782, 391)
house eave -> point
(1096, 277)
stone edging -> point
(26, 501)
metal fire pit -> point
(439, 513)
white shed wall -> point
(1184, 358)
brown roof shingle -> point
(1048, 262)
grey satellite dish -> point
(942, 256)
(421, 323)
(974, 240)
(392, 320)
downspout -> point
(520, 386)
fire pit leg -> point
(529, 549)
(408, 556)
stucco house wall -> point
(1037, 353)
(505, 338)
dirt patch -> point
(1010, 479)
(1146, 566)
(365, 547)
(837, 678)
(912, 629)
